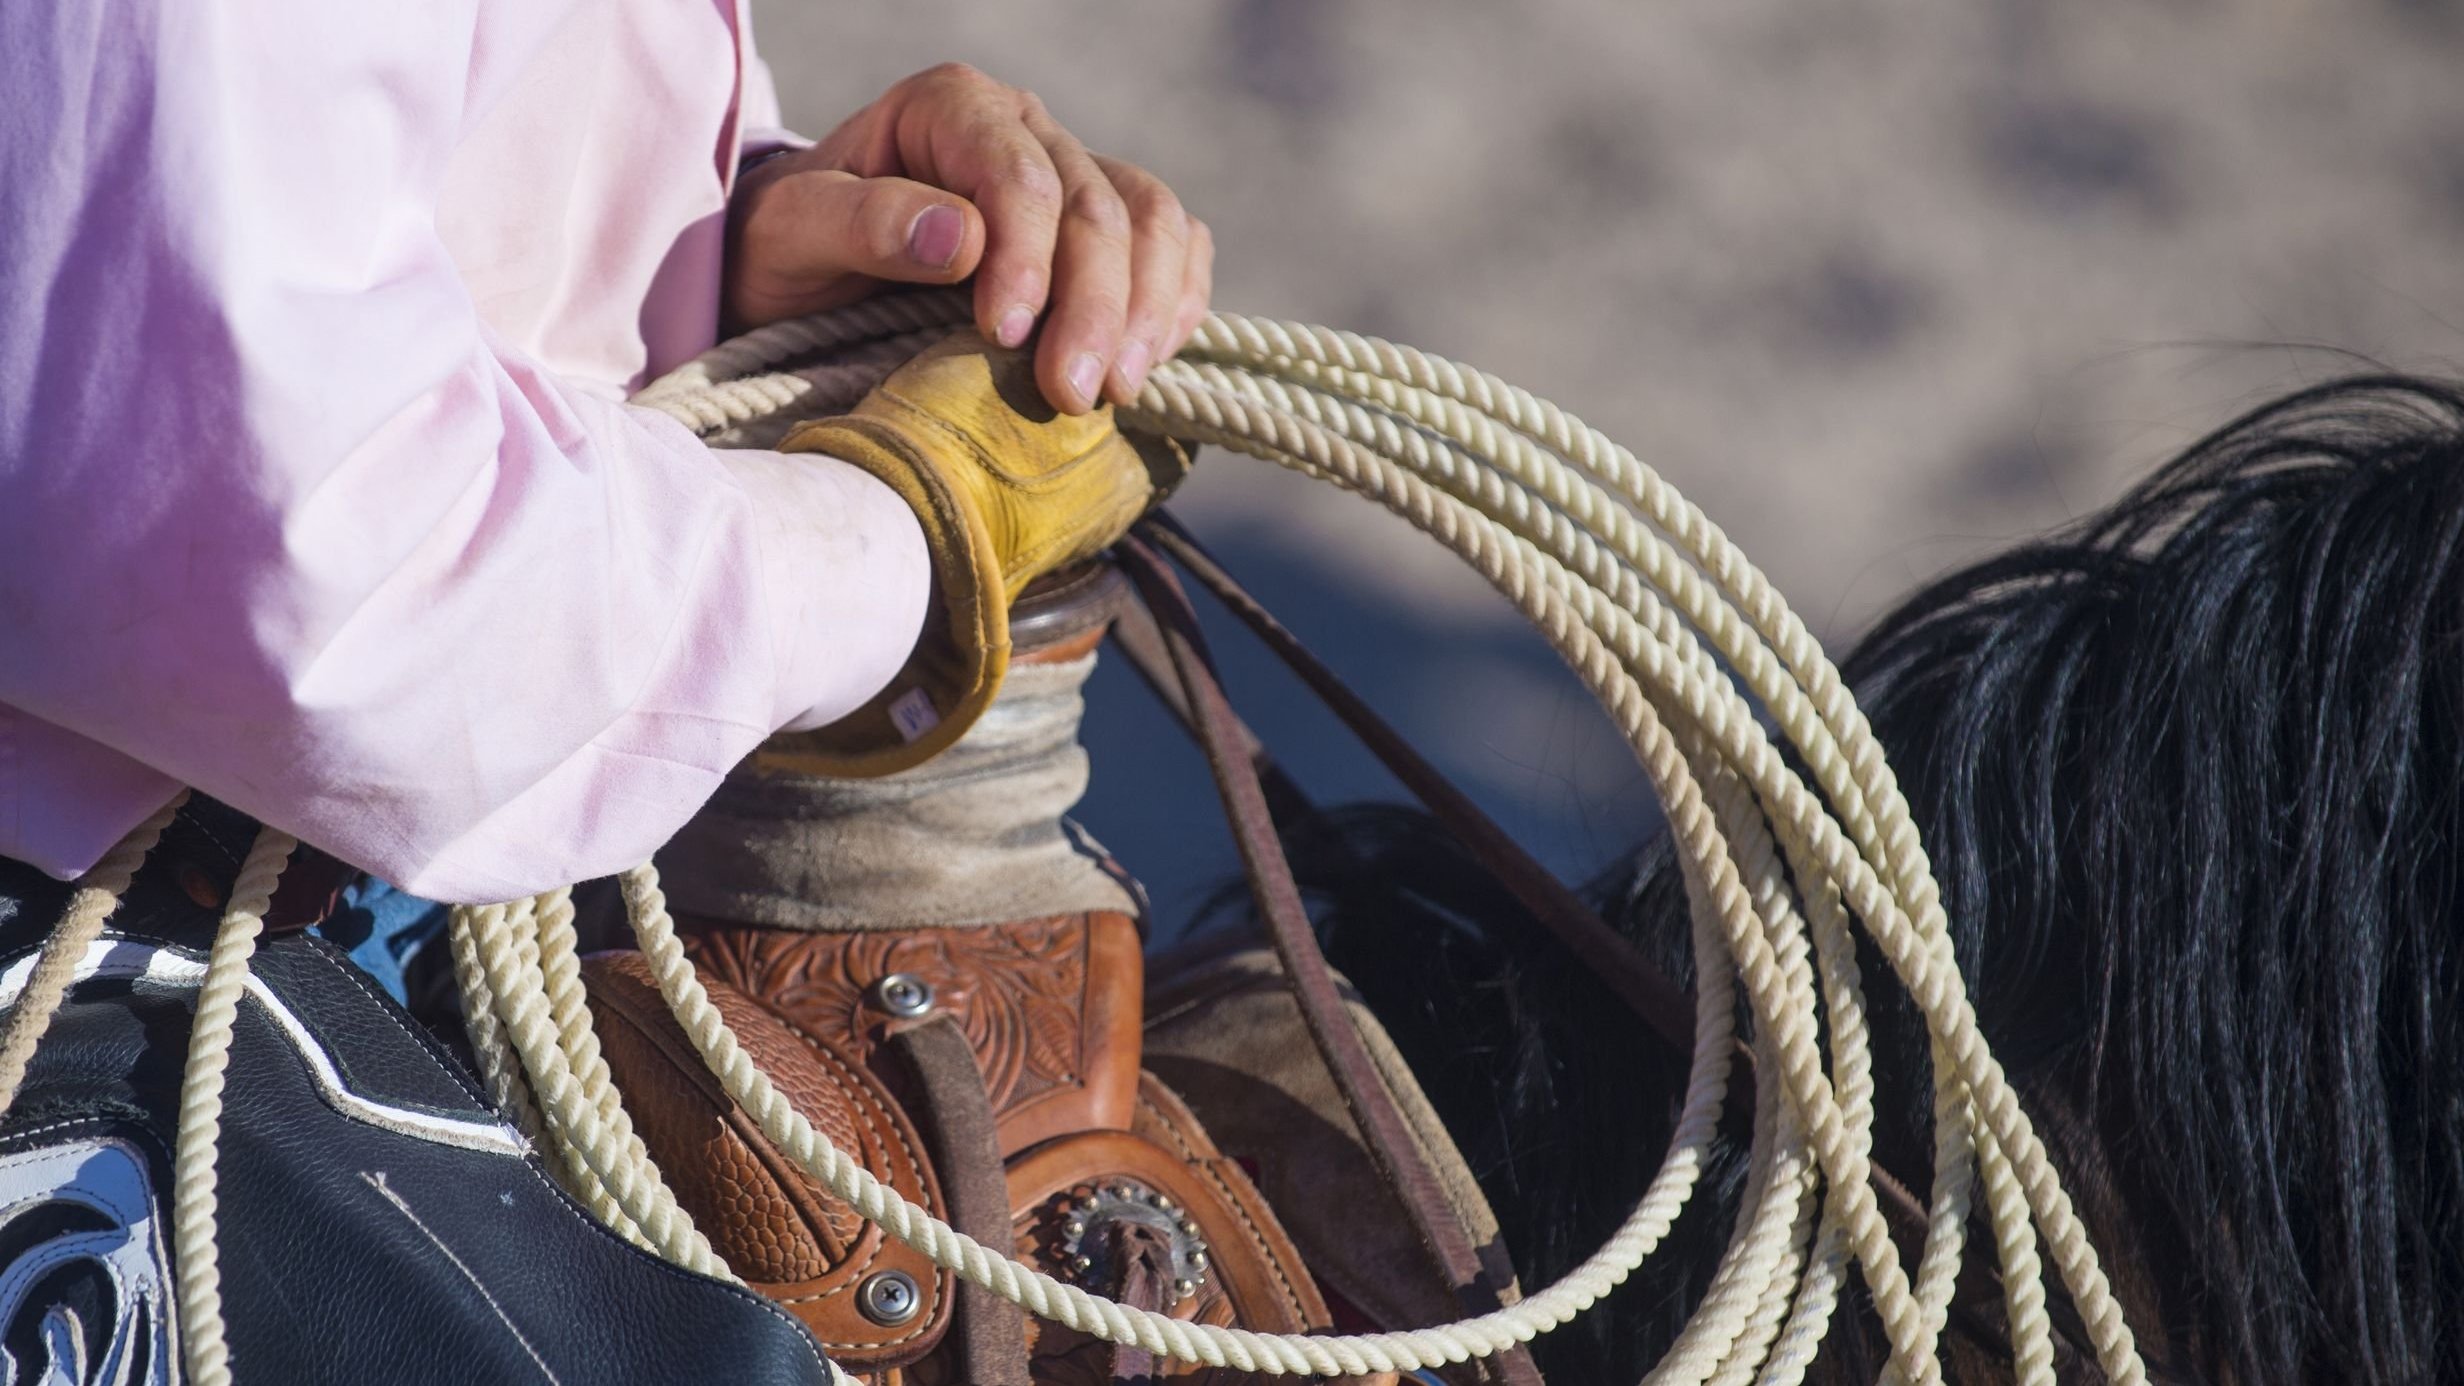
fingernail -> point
(1131, 364)
(1086, 373)
(1014, 327)
(933, 237)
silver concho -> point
(1093, 1216)
(99, 1252)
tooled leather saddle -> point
(949, 980)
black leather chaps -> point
(379, 1222)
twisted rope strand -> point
(497, 1062)
(1307, 352)
(1901, 857)
(194, 1181)
(576, 1128)
(1552, 513)
(90, 907)
(1438, 513)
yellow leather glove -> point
(1008, 489)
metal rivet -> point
(1189, 1226)
(1074, 1228)
(903, 994)
(1197, 1259)
(1125, 1193)
(889, 1298)
(1183, 1289)
(1165, 1205)
(1082, 1264)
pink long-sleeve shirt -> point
(316, 487)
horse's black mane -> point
(2189, 775)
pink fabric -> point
(316, 490)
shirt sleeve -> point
(280, 519)
(765, 129)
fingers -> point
(885, 228)
(1160, 244)
(1090, 275)
(821, 237)
(1197, 289)
(962, 130)
(1099, 252)
(1022, 214)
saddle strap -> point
(1384, 1130)
(1652, 996)
(988, 1337)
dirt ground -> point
(1882, 286)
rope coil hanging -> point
(1654, 609)
(1647, 600)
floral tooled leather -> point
(768, 1220)
(1050, 1006)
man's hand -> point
(952, 174)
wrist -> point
(845, 581)
(743, 299)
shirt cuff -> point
(769, 139)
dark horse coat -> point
(2192, 778)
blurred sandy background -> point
(1882, 286)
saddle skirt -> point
(1107, 1180)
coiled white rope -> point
(1646, 599)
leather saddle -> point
(995, 1070)
(1006, 1056)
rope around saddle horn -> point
(1652, 607)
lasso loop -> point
(1655, 610)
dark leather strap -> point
(1382, 1126)
(309, 892)
(1136, 635)
(1647, 992)
(1143, 1281)
(988, 1337)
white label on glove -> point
(912, 713)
